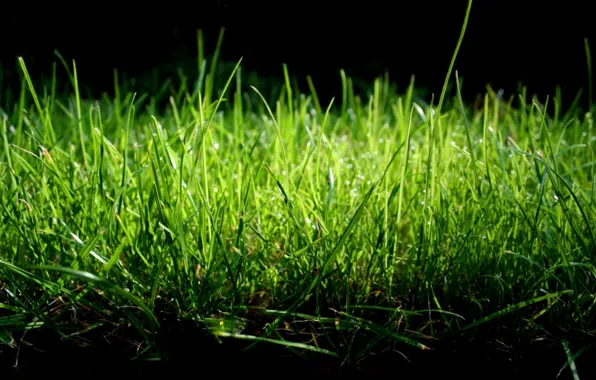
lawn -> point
(338, 229)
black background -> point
(539, 44)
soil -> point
(195, 353)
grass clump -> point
(337, 228)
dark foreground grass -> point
(378, 225)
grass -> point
(337, 228)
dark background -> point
(539, 44)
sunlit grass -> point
(373, 219)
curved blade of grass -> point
(469, 138)
(570, 360)
(368, 325)
(42, 114)
(303, 316)
(405, 312)
(129, 120)
(30, 276)
(6, 338)
(99, 280)
(276, 341)
(513, 308)
(459, 41)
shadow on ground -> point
(194, 355)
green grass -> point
(362, 223)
